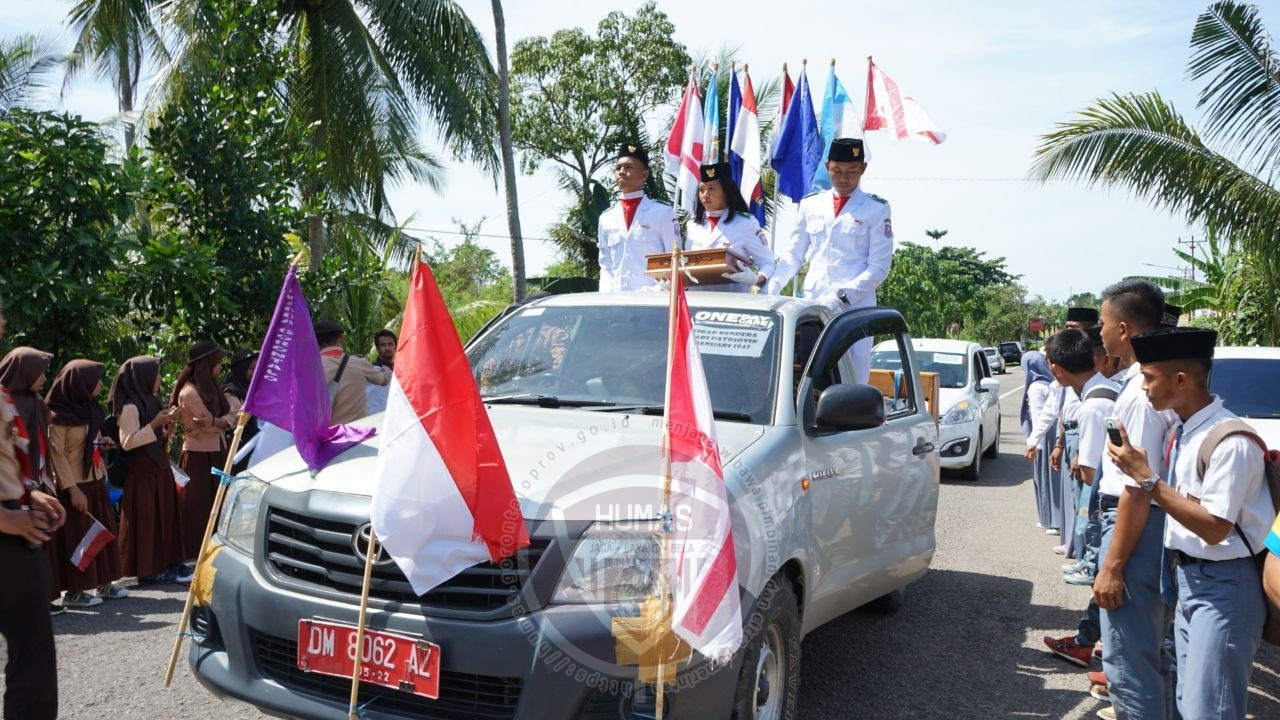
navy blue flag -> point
(735, 105)
(798, 151)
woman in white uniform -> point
(722, 219)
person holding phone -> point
(1137, 613)
(1217, 521)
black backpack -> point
(114, 457)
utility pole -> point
(1191, 243)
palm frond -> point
(27, 63)
(1231, 49)
(1139, 142)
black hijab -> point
(71, 402)
(237, 382)
(135, 385)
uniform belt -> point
(1108, 502)
(1073, 425)
(1185, 559)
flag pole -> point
(664, 590)
(353, 711)
(773, 226)
(242, 419)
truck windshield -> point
(601, 356)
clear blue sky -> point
(993, 75)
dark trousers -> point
(31, 673)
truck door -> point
(873, 479)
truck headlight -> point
(613, 563)
(963, 412)
(238, 524)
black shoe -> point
(160, 578)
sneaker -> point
(1097, 651)
(1078, 578)
(160, 578)
(1107, 714)
(1060, 549)
(1099, 692)
(80, 600)
(186, 578)
(1067, 649)
(1051, 531)
(112, 592)
(1097, 677)
(55, 609)
(1072, 567)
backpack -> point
(1268, 562)
(114, 457)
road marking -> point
(1015, 390)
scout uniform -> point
(740, 233)
(348, 400)
(1218, 623)
(848, 243)
(637, 226)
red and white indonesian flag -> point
(745, 144)
(889, 107)
(442, 498)
(684, 146)
(702, 569)
(90, 545)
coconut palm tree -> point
(1224, 178)
(508, 151)
(26, 64)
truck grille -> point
(318, 551)
(463, 696)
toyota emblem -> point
(360, 546)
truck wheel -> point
(769, 682)
(993, 452)
(974, 469)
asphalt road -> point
(967, 643)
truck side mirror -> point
(849, 407)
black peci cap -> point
(1080, 314)
(327, 328)
(847, 150)
(634, 151)
(717, 171)
(1175, 343)
(1170, 316)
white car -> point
(995, 361)
(969, 397)
(1248, 381)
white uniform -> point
(622, 250)
(743, 236)
(850, 251)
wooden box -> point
(705, 265)
(882, 380)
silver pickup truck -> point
(833, 492)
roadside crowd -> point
(1160, 497)
(91, 496)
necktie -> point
(629, 210)
(714, 221)
(839, 202)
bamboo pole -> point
(357, 662)
(664, 591)
(242, 419)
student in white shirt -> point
(722, 220)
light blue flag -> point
(837, 121)
(711, 124)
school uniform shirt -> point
(743, 236)
(1048, 415)
(134, 434)
(1092, 414)
(1232, 489)
(201, 431)
(1037, 395)
(350, 404)
(623, 247)
(1146, 428)
(849, 251)
(66, 451)
(10, 471)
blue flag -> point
(735, 105)
(798, 152)
(711, 122)
(837, 121)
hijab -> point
(237, 382)
(1037, 370)
(18, 370)
(135, 385)
(199, 372)
(71, 402)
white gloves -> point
(662, 285)
(744, 277)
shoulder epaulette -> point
(877, 198)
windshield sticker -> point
(948, 359)
(731, 333)
(533, 312)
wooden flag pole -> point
(352, 709)
(242, 419)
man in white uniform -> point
(637, 226)
(846, 237)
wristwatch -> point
(1149, 484)
(842, 296)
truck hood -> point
(566, 464)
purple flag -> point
(289, 388)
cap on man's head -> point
(1080, 314)
(1170, 316)
(847, 150)
(630, 150)
(1175, 343)
(201, 350)
(327, 329)
(716, 171)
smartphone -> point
(1113, 431)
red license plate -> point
(396, 661)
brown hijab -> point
(203, 357)
(71, 402)
(135, 385)
(18, 370)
